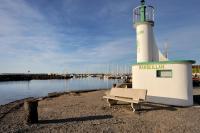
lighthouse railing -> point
(149, 14)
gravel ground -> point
(88, 112)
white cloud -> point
(29, 42)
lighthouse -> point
(166, 81)
(147, 49)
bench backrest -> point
(129, 93)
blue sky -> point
(87, 35)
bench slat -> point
(121, 99)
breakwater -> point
(27, 77)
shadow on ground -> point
(196, 99)
(146, 107)
(85, 118)
(153, 107)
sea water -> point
(15, 90)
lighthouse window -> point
(164, 73)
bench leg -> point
(111, 102)
(135, 107)
(132, 106)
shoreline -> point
(28, 77)
(56, 94)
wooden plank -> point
(121, 99)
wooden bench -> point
(133, 96)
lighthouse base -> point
(167, 82)
(170, 101)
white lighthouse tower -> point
(166, 82)
(147, 49)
